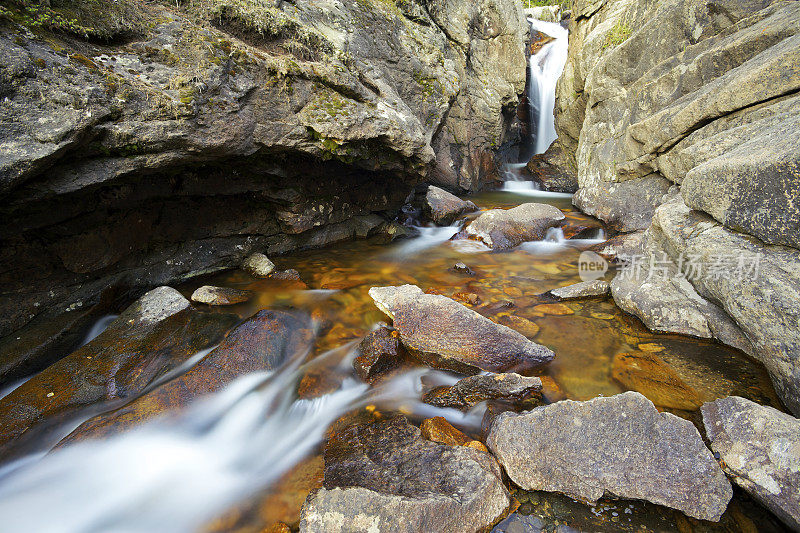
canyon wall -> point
(147, 143)
(682, 119)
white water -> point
(546, 67)
(98, 328)
(428, 238)
(177, 473)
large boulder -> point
(153, 336)
(620, 446)
(759, 448)
(384, 476)
(502, 229)
(445, 334)
(261, 343)
(443, 207)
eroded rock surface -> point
(445, 334)
(385, 477)
(502, 229)
(619, 446)
(759, 448)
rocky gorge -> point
(291, 266)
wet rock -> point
(258, 265)
(550, 169)
(445, 334)
(585, 289)
(437, 429)
(220, 295)
(759, 449)
(649, 375)
(443, 208)
(286, 275)
(503, 229)
(472, 390)
(461, 268)
(152, 336)
(618, 445)
(379, 352)
(545, 13)
(551, 390)
(385, 477)
(260, 343)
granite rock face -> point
(385, 477)
(503, 229)
(759, 448)
(153, 336)
(620, 446)
(682, 124)
(443, 207)
(181, 147)
(445, 334)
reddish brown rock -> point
(261, 343)
(153, 336)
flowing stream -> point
(246, 457)
(256, 444)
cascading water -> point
(544, 69)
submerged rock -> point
(759, 449)
(443, 208)
(385, 477)
(154, 335)
(378, 353)
(462, 268)
(503, 229)
(220, 295)
(286, 275)
(585, 289)
(648, 374)
(620, 446)
(260, 343)
(446, 334)
(258, 265)
(472, 390)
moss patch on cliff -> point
(618, 34)
(89, 19)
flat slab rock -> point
(760, 450)
(443, 207)
(503, 229)
(384, 476)
(585, 289)
(618, 445)
(445, 334)
(472, 390)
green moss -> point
(90, 19)
(618, 34)
(83, 60)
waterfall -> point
(545, 67)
